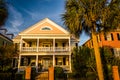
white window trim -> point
(46, 27)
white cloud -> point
(15, 19)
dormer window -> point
(46, 28)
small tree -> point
(83, 61)
(6, 55)
(107, 59)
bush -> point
(5, 76)
(20, 76)
(33, 73)
(59, 73)
(91, 76)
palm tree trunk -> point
(97, 56)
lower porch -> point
(43, 62)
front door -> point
(46, 63)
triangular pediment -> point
(46, 26)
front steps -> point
(42, 76)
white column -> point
(70, 62)
(19, 61)
(21, 42)
(53, 60)
(36, 63)
(37, 44)
(54, 44)
(69, 44)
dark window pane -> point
(105, 36)
(112, 37)
(64, 61)
(118, 36)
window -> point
(30, 44)
(105, 36)
(46, 28)
(56, 44)
(59, 61)
(64, 61)
(23, 44)
(4, 43)
(108, 36)
(63, 44)
(117, 52)
(118, 36)
(112, 37)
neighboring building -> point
(43, 45)
(110, 39)
(5, 39)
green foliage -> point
(91, 76)
(3, 12)
(108, 60)
(6, 55)
(20, 76)
(91, 15)
(83, 61)
(5, 76)
(33, 73)
(59, 73)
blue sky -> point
(24, 13)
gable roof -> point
(45, 23)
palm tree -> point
(3, 12)
(92, 16)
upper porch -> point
(45, 45)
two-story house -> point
(5, 38)
(43, 45)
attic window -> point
(46, 28)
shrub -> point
(91, 76)
(5, 76)
(20, 76)
(33, 73)
(59, 73)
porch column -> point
(70, 62)
(54, 44)
(53, 60)
(36, 63)
(21, 44)
(19, 61)
(69, 44)
(37, 44)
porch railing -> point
(44, 49)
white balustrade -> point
(44, 49)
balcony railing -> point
(44, 49)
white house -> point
(43, 45)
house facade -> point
(43, 45)
(110, 39)
(5, 38)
